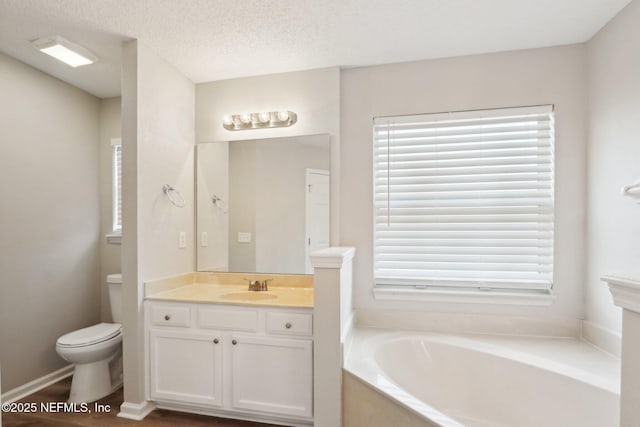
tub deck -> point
(570, 358)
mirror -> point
(262, 205)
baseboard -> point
(262, 419)
(604, 338)
(136, 411)
(37, 384)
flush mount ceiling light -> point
(272, 119)
(64, 50)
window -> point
(464, 201)
(116, 161)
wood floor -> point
(59, 392)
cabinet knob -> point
(167, 317)
(288, 325)
(216, 340)
(234, 342)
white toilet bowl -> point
(96, 352)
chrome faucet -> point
(257, 286)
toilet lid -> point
(91, 335)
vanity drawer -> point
(289, 323)
(226, 318)
(170, 315)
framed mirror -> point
(262, 205)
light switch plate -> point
(204, 240)
(244, 237)
(182, 240)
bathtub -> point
(489, 381)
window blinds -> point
(465, 199)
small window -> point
(464, 201)
(116, 160)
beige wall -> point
(158, 145)
(520, 78)
(165, 156)
(110, 127)
(212, 180)
(49, 218)
(614, 160)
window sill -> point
(464, 296)
(114, 239)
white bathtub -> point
(490, 381)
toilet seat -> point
(92, 335)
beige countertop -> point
(279, 295)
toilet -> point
(96, 352)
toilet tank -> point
(114, 281)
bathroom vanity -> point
(225, 351)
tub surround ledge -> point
(467, 323)
(604, 338)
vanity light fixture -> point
(63, 50)
(272, 119)
(283, 115)
(245, 118)
(227, 120)
(264, 117)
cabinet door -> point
(272, 375)
(186, 367)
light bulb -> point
(227, 119)
(283, 116)
(245, 118)
(264, 117)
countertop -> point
(276, 296)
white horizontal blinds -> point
(465, 199)
(117, 187)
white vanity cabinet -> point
(246, 362)
(272, 375)
(185, 366)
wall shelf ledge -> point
(333, 257)
(625, 290)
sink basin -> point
(248, 296)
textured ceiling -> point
(221, 39)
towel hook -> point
(632, 190)
(174, 196)
(219, 203)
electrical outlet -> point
(244, 237)
(204, 240)
(182, 240)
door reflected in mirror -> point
(262, 205)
